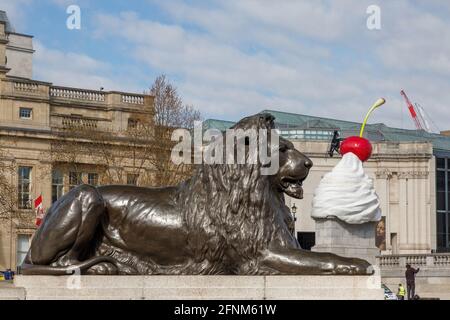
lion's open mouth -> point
(292, 187)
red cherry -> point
(361, 147)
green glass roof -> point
(375, 132)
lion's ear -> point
(268, 119)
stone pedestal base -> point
(201, 287)
(347, 240)
(9, 292)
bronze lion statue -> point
(228, 219)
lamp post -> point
(294, 211)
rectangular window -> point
(447, 222)
(75, 179)
(132, 123)
(440, 190)
(441, 242)
(448, 190)
(24, 187)
(443, 205)
(132, 179)
(441, 222)
(23, 244)
(57, 185)
(93, 179)
(440, 163)
(25, 113)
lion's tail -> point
(32, 269)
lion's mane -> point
(238, 208)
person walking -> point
(410, 275)
(401, 292)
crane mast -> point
(412, 111)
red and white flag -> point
(39, 207)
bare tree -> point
(144, 148)
(170, 114)
(109, 153)
(8, 199)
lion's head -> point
(239, 207)
(294, 166)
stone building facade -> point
(16, 50)
(32, 115)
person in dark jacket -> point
(410, 275)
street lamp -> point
(294, 211)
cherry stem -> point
(377, 104)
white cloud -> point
(320, 20)
(75, 70)
(231, 74)
(420, 41)
(233, 58)
(64, 3)
(15, 11)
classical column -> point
(413, 212)
(403, 212)
(424, 213)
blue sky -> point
(234, 58)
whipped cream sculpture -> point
(346, 192)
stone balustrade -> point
(26, 87)
(78, 122)
(432, 260)
(75, 122)
(70, 95)
(77, 94)
(388, 261)
(441, 260)
(132, 99)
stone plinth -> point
(348, 240)
(9, 292)
(201, 287)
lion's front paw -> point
(104, 268)
(351, 266)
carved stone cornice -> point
(413, 175)
(383, 174)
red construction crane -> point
(412, 110)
